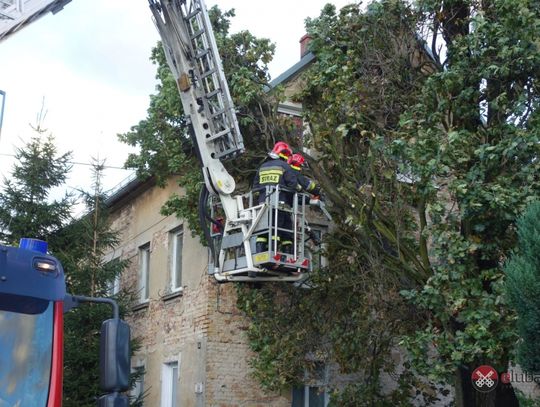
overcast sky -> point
(90, 64)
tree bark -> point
(467, 396)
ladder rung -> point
(202, 53)
(197, 34)
(218, 135)
(212, 94)
(208, 73)
(193, 14)
(228, 153)
(218, 113)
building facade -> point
(192, 344)
(193, 347)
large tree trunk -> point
(467, 396)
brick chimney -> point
(304, 45)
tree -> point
(26, 206)
(353, 313)
(427, 162)
(82, 247)
(523, 287)
(425, 120)
(165, 148)
(27, 210)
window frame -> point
(176, 240)
(114, 286)
(170, 385)
(313, 384)
(138, 389)
(144, 272)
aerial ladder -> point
(32, 284)
(231, 222)
(192, 55)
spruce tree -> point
(26, 206)
(85, 244)
(523, 287)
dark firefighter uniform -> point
(276, 172)
(304, 183)
(271, 173)
(308, 185)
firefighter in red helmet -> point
(276, 172)
(296, 161)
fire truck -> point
(32, 287)
(33, 300)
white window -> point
(114, 286)
(309, 396)
(169, 385)
(144, 272)
(137, 391)
(176, 246)
(312, 394)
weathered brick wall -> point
(229, 376)
(170, 328)
(201, 329)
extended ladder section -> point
(192, 55)
(17, 14)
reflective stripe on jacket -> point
(276, 172)
(308, 185)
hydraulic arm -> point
(193, 58)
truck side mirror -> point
(114, 356)
(113, 400)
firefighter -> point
(296, 161)
(276, 172)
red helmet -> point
(296, 161)
(280, 150)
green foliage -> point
(472, 141)
(428, 164)
(523, 287)
(82, 247)
(27, 210)
(26, 207)
(165, 148)
(525, 401)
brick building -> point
(193, 347)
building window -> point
(144, 272)
(137, 391)
(312, 394)
(169, 385)
(113, 287)
(176, 245)
(309, 396)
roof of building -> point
(293, 70)
(127, 190)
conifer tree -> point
(523, 287)
(26, 206)
(85, 244)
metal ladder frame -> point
(192, 55)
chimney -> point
(304, 45)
